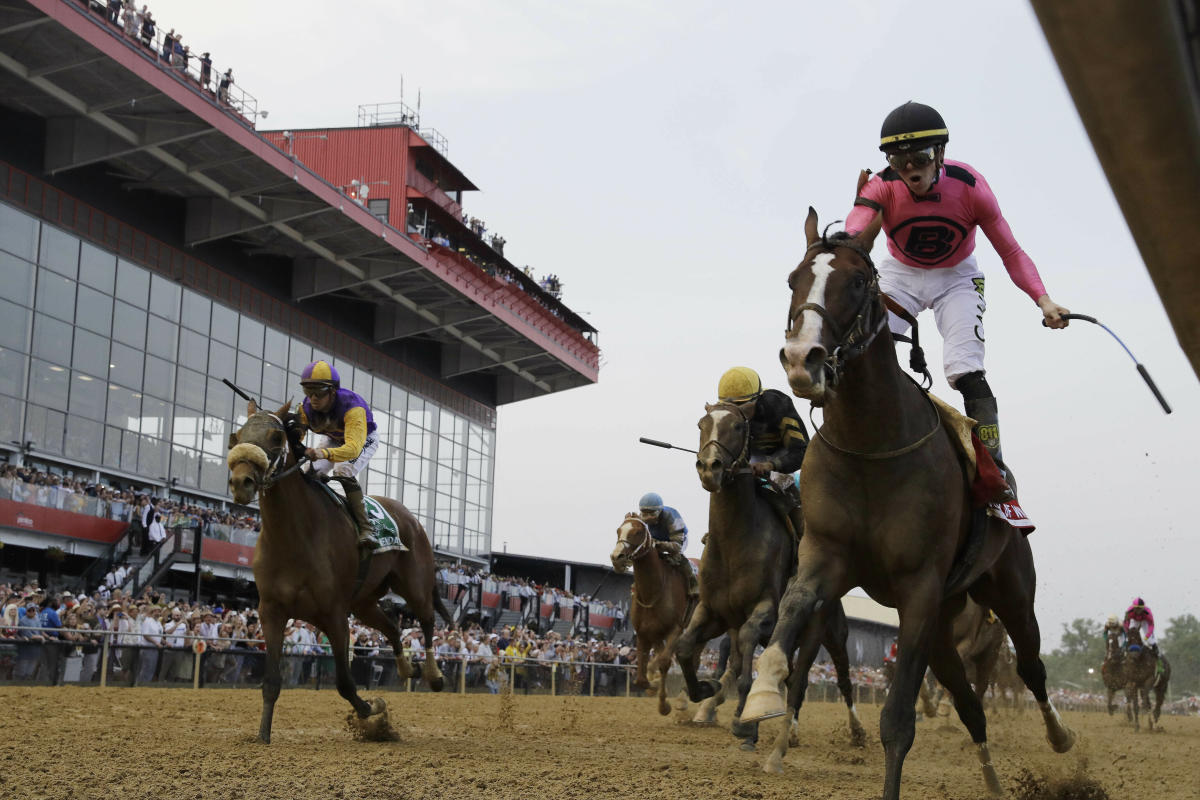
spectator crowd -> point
(140, 27)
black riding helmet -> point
(912, 126)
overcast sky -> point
(660, 158)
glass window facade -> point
(104, 363)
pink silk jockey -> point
(937, 231)
(1136, 615)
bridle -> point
(640, 551)
(273, 475)
(857, 337)
(740, 460)
(644, 547)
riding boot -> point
(796, 513)
(354, 498)
(985, 412)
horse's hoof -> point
(264, 739)
(763, 704)
(708, 688)
(773, 764)
(1063, 743)
(663, 708)
(748, 746)
(436, 684)
(741, 729)
(992, 782)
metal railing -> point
(189, 71)
(57, 497)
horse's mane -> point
(844, 239)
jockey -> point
(1114, 625)
(1139, 616)
(667, 528)
(346, 437)
(778, 438)
(931, 208)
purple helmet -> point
(320, 373)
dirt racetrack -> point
(127, 744)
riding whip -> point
(1141, 369)
(657, 443)
(238, 391)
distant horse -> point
(1142, 672)
(978, 637)
(660, 602)
(887, 508)
(1112, 671)
(306, 562)
(747, 561)
(1005, 679)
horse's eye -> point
(859, 281)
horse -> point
(306, 561)
(887, 507)
(1112, 671)
(1005, 679)
(660, 602)
(1142, 672)
(978, 637)
(748, 559)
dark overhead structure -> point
(1133, 70)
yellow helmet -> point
(738, 385)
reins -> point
(739, 462)
(859, 336)
(937, 424)
(636, 552)
(272, 475)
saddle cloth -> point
(982, 473)
(387, 533)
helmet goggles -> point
(918, 158)
(315, 390)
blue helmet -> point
(651, 501)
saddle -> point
(387, 532)
(984, 478)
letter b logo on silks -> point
(928, 240)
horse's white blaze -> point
(810, 328)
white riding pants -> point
(344, 469)
(956, 296)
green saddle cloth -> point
(385, 530)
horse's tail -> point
(440, 607)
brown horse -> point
(306, 561)
(748, 559)
(1005, 679)
(978, 637)
(660, 602)
(1112, 671)
(1143, 672)
(887, 508)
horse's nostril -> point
(815, 359)
(783, 357)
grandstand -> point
(153, 241)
